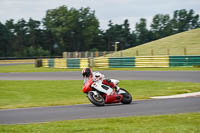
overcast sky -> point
(105, 10)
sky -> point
(105, 10)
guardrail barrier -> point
(17, 61)
(184, 61)
(66, 63)
(152, 61)
(123, 62)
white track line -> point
(194, 94)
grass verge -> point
(179, 123)
(18, 94)
(31, 68)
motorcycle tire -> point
(96, 100)
(127, 98)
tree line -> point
(69, 29)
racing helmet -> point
(98, 76)
(86, 72)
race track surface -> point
(184, 76)
(85, 111)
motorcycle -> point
(100, 94)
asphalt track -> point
(183, 76)
(85, 111)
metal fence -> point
(86, 54)
(167, 51)
(135, 52)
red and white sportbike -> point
(100, 94)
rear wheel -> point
(96, 99)
(127, 98)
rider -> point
(97, 76)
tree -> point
(99, 42)
(129, 39)
(74, 30)
(20, 33)
(10, 26)
(161, 26)
(119, 33)
(4, 37)
(142, 33)
(183, 20)
(33, 33)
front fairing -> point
(102, 88)
(87, 85)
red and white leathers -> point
(97, 76)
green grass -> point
(179, 123)
(175, 43)
(31, 68)
(19, 94)
(16, 94)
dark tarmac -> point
(85, 111)
(183, 76)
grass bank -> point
(18, 94)
(31, 68)
(179, 123)
(171, 45)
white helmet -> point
(98, 76)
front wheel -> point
(127, 98)
(96, 99)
